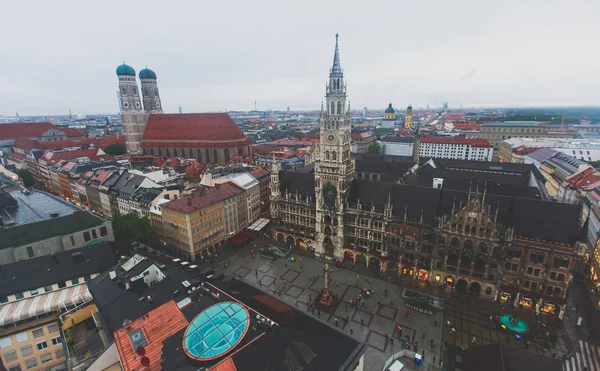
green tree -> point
(595, 164)
(115, 149)
(26, 177)
(130, 227)
(374, 148)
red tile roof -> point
(103, 142)
(203, 128)
(52, 157)
(71, 132)
(260, 172)
(204, 197)
(25, 143)
(586, 177)
(157, 326)
(475, 142)
(24, 129)
(360, 136)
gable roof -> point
(204, 197)
(46, 270)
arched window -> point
(199, 155)
(216, 156)
(333, 155)
(134, 90)
(332, 108)
(156, 92)
(488, 291)
(207, 153)
(468, 245)
(227, 159)
(145, 91)
(482, 248)
(124, 90)
(240, 151)
(160, 151)
(191, 153)
(167, 152)
(152, 151)
(175, 152)
(327, 155)
(454, 242)
(339, 109)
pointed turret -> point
(336, 69)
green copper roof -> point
(147, 73)
(390, 109)
(125, 70)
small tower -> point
(408, 118)
(150, 94)
(390, 113)
(129, 97)
(416, 146)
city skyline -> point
(209, 58)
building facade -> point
(516, 250)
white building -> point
(582, 149)
(435, 147)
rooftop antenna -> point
(255, 105)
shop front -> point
(548, 308)
(504, 297)
(526, 302)
(423, 274)
(450, 281)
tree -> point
(595, 164)
(26, 177)
(131, 227)
(116, 149)
(374, 148)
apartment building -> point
(495, 132)
(195, 224)
(37, 297)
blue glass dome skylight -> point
(215, 331)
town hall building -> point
(485, 240)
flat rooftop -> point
(36, 207)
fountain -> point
(514, 324)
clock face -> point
(330, 138)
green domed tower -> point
(132, 115)
(390, 113)
(150, 91)
(129, 96)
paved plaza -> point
(297, 283)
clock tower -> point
(334, 169)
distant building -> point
(496, 132)
(555, 166)
(39, 131)
(36, 223)
(361, 141)
(440, 147)
(511, 150)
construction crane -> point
(562, 124)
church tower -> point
(334, 169)
(132, 116)
(408, 118)
(150, 94)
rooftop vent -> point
(54, 215)
(77, 257)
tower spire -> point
(336, 69)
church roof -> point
(125, 70)
(203, 127)
(147, 73)
(390, 109)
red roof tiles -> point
(24, 129)
(205, 128)
(357, 137)
(156, 326)
(51, 157)
(71, 132)
(204, 197)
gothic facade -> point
(517, 250)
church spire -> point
(336, 69)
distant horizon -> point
(284, 110)
(215, 56)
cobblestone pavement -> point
(375, 324)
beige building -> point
(496, 132)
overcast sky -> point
(224, 55)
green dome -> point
(125, 70)
(390, 109)
(147, 73)
(409, 107)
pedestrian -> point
(433, 360)
(351, 332)
(362, 323)
(310, 296)
(345, 307)
(286, 265)
(337, 284)
(379, 302)
(391, 341)
(336, 321)
(256, 273)
(260, 283)
(423, 336)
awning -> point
(79, 316)
(46, 303)
(259, 224)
